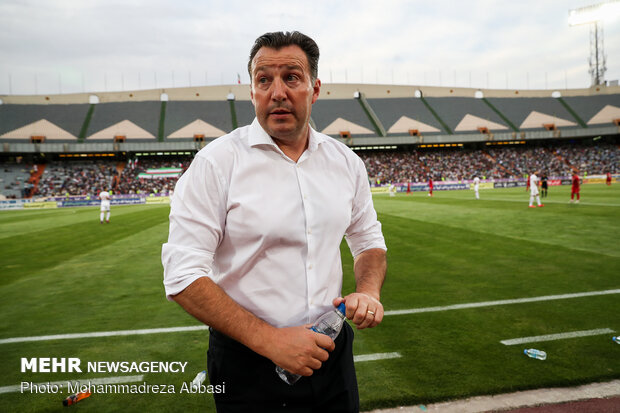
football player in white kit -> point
(105, 206)
(534, 190)
(477, 187)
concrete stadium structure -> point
(363, 116)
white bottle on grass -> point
(535, 354)
(198, 380)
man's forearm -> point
(370, 268)
(296, 349)
(206, 301)
(364, 306)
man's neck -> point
(294, 148)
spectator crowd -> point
(497, 162)
(69, 178)
(90, 178)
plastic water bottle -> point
(616, 339)
(535, 354)
(198, 380)
(329, 324)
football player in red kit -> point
(575, 188)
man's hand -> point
(299, 349)
(296, 349)
(365, 311)
(363, 306)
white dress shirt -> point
(267, 229)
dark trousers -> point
(252, 384)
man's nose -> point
(278, 90)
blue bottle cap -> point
(342, 308)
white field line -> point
(559, 336)
(376, 356)
(102, 334)
(104, 380)
(525, 200)
(387, 313)
(501, 302)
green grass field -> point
(63, 273)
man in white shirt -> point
(477, 187)
(534, 181)
(253, 251)
(105, 206)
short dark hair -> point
(278, 40)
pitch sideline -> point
(387, 313)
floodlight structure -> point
(594, 15)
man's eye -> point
(292, 78)
(262, 80)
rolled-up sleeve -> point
(364, 232)
(197, 219)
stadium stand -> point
(131, 120)
(402, 115)
(535, 113)
(187, 119)
(596, 110)
(337, 117)
(90, 178)
(14, 180)
(402, 132)
(59, 123)
(131, 183)
(76, 178)
(69, 178)
(514, 162)
(467, 115)
(245, 112)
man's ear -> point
(316, 90)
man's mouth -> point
(280, 112)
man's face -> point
(283, 92)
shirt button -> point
(309, 231)
(310, 266)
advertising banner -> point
(483, 185)
(158, 200)
(69, 202)
(594, 181)
(11, 204)
(40, 204)
(436, 187)
(510, 184)
(66, 203)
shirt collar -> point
(258, 136)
